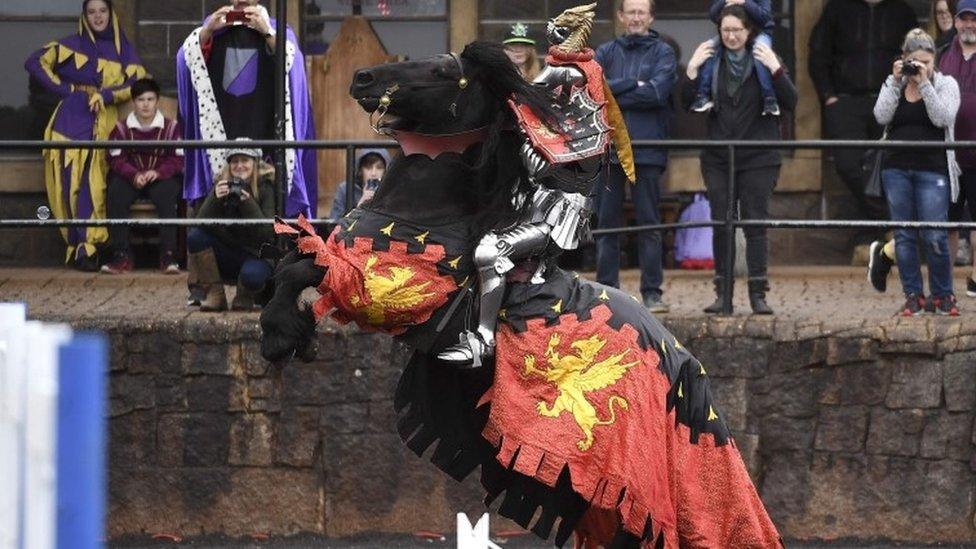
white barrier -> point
(52, 434)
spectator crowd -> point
(876, 74)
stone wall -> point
(853, 430)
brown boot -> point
(203, 265)
(243, 299)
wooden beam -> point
(463, 23)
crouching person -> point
(243, 190)
(156, 174)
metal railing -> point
(729, 223)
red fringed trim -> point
(608, 493)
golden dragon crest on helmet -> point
(570, 30)
(576, 375)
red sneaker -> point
(946, 305)
(120, 264)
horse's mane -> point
(503, 81)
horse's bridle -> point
(387, 98)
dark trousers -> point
(235, 264)
(852, 117)
(754, 188)
(646, 195)
(164, 194)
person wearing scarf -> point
(738, 115)
(92, 72)
(225, 80)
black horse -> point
(479, 184)
(461, 175)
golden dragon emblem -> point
(578, 374)
(388, 294)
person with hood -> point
(92, 72)
(225, 80)
(370, 166)
(641, 71)
(852, 47)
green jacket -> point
(248, 238)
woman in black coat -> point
(738, 115)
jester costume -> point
(226, 91)
(75, 68)
(562, 164)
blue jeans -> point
(765, 77)
(235, 264)
(920, 196)
(646, 195)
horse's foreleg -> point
(287, 329)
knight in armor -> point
(563, 165)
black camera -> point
(910, 68)
(235, 190)
(371, 185)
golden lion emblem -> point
(576, 375)
(390, 293)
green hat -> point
(518, 34)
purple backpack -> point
(693, 247)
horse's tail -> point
(621, 403)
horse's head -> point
(444, 94)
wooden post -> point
(463, 23)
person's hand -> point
(923, 75)
(245, 195)
(217, 19)
(139, 181)
(831, 100)
(221, 189)
(896, 69)
(96, 103)
(256, 21)
(704, 51)
(765, 55)
(367, 195)
(151, 175)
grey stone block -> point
(842, 429)
(895, 432)
(915, 383)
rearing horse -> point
(593, 418)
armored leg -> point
(494, 256)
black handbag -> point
(873, 160)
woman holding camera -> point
(918, 104)
(243, 190)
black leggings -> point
(164, 194)
(754, 188)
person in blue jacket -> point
(761, 14)
(641, 71)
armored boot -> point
(475, 347)
(493, 257)
(757, 296)
(716, 307)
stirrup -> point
(469, 352)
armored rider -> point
(563, 166)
